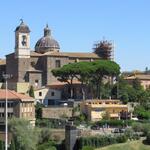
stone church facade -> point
(33, 67)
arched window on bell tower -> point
(22, 41)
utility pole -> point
(6, 77)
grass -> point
(132, 145)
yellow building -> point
(96, 109)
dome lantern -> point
(47, 31)
(47, 43)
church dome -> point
(46, 43)
(22, 28)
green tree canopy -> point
(24, 135)
(86, 72)
(31, 91)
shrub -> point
(129, 133)
(1, 145)
(137, 127)
(148, 138)
(50, 145)
(121, 139)
(115, 123)
(87, 148)
(99, 141)
(136, 136)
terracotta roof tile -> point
(14, 95)
(2, 61)
(65, 54)
(139, 76)
(60, 85)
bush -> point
(2, 145)
(47, 146)
(136, 137)
(99, 141)
(148, 138)
(129, 133)
(115, 123)
(121, 139)
(137, 127)
(144, 128)
(87, 148)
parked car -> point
(119, 130)
(95, 127)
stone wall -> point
(51, 64)
(56, 112)
(12, 67)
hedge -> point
(115, 123)
(99, 141)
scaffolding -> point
(105, 49)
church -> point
(33, 67)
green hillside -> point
(134, 145)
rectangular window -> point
(10, 105)
(52, 93)
(40, 93)
(57, 64)
(2, 115)
(2, 105)
(36, 82)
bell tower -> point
(22, 41)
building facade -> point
(19, 106)
(95, 110)
(47, 96)
(33, 67)
(144, 79)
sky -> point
(78, 24)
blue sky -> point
(78, 24)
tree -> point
(87, 72)
(38, 110)
(66, 74)
(83, 72)
(45, 135)
(136, 84)
(25, 136)
(2, 145)
(31, 91)
(102, 70)
(148, 138)
(12, 145)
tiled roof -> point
(12, 95)
(60, 85)
(139, 76)
(65, 54)
(2, 61)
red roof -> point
(60, 85)
(12, 95)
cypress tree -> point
(31, 91)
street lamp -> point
(6, 76)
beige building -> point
(19, 105)
(143, 78)
(96, 109)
